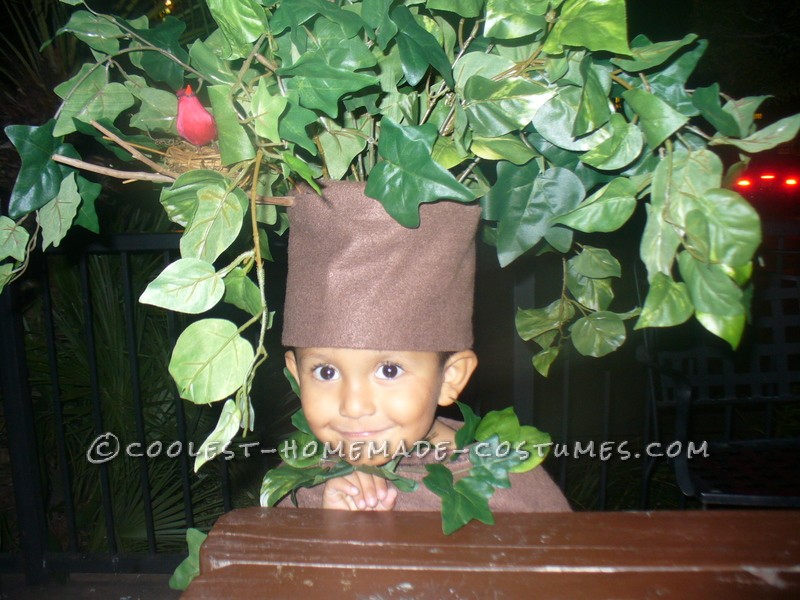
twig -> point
(130, 175)
(276, 200)
(134, 152)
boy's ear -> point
(455, 375)
(291, 363)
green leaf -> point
(340, 146)
(189, 285)
(376, 14)
(513, 19)
(215, 223)
(13, 239)
(301, 449)
(162, 66)
(300, 167)
(88, 96)
(241, 22)
(267, 110)
(95, 30)
(595, 294)
(180, 199)
(621, 149)
(489, 66)
(242, 292)
(734, 227)
(590, 24)
(87, 216)
(667, 304)
(707, 101)
(234, 143)
(543, 360)
(230, 420)
(593, 111)
(497, 107)
(39, 178)
(718, 301)
(215, 70)
(658, 119)
(463, 8)
(460, 503)
(56, 217)
(6, 273)
(297, 12)
(419, 49)
(157, 112)
(669, 83)
(596, 263)
(507, 147)
(296, 389)
(659, 244)
(555, 122)
(190, 567)
(532, 203)
(764, 139)
(210, 361)
(598, 334)
(293, 123)
(408, 176)
(606, 210)
(282, 480)
(743, 111)
(646, 55)
(466, 434)
(533, 322)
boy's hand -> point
(359, 491)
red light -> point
(791, 181)
(743, 182)
(768, 177)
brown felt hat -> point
(359, 279)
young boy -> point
(378, 322)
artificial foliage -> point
(545, 111)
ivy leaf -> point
(555, 122)
(230, 420)
(89, 96)
(707, 101)
(190, 566)
(301, 449)
(300, 167)
(533, 203)
(158, 66)
(157, 112)
(408, 176)
(466, 434)
(659, 244)
(56, 217)
(376, 14)
(593, 111)
(658, 119)
(498, 107)
(514, 19)
(97, 31)
(764, 139)
(460, 503)
(507, 147)
(215, 223)
(284, 479)
(667, 303)
(340, 146)
(743, 111)
(595, 294)
(205, 60)
(598, 334)
(606, 210)
(293, 123)
(234, 143)
(189, 285)
(463, 8)
(590, 24)
(419, 49)
(210, 361)
(718, 301)
(242, 292)
(533, 322)
(241, 22)
(180, 199)
(404, 484)
(543, 360)
(618, 151)
(13, 239)
(646, 55)
(295, 13)
(596, 263)
(267, 110)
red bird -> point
(195, 124)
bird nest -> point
(183, 157)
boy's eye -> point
(325, 373)
(389, 371)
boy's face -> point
(363, 398)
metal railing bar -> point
(58, 411)
(565, 402)
(602, 492)
(94, 385)
(136, 390)
(113, 563)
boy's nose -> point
(356, 401)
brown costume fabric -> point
(359, 279)
(532, 491)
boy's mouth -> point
(361, 434)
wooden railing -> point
(311, 553)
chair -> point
(745, 404)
